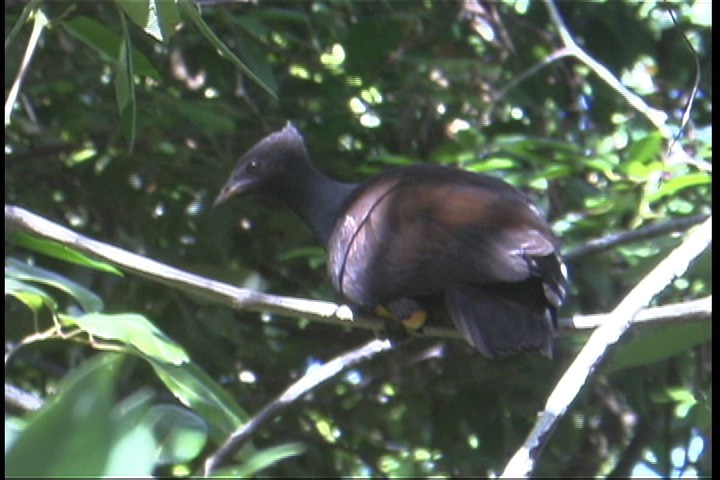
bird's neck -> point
(316, 198)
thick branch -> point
(236, 297)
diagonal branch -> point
(672, 266)
(658, 118)
(306, 383)
(655, 116)
(614, 239)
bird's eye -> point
(253, 167)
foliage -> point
(128, 115)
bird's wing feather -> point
(414, 234)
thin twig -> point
(684, 312)
(655, 116)
(306, 383)
(22, 399)
(672, 266)
(614, 239)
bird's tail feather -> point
(502, 319)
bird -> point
(409, 238)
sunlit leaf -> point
(676, 184)
(33, 297)
(159, 18)
(132, 438)
(60, 251)
(180, 433)
(133, 330)
(88, 301)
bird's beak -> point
(235, 185)
(227, 191)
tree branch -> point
(658, 118)
(655, 116)
(238, 298)
(672, 266)
(307, 382)
(611, 325)
(26, 401)
(614, 239)
(17, 218)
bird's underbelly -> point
(385, 282)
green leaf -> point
(54, 249)
(261, 460)
(392, 160)
(606, 164)
(701, 413)
(107, 44)
(252, 25)
(125, 88)
(168, 16)
(133, 330)
(88, 301)
(674, 185)
(132, 438)
(33, 297)
(180, 433)
(315, 255)
(650, 346)
(643, 157)
(207, 115)
(647, 149)
(159, 18)
(257, 61)
(224, 50)
(196, 390)
(493, 164)
(70, 435)
(284, 15)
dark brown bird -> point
(402, 239)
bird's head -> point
(267, 166)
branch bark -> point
(672, 266)
(17, 218)
(611, 326)
(291, 394)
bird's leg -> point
(405, 310)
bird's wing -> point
(414, 235)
